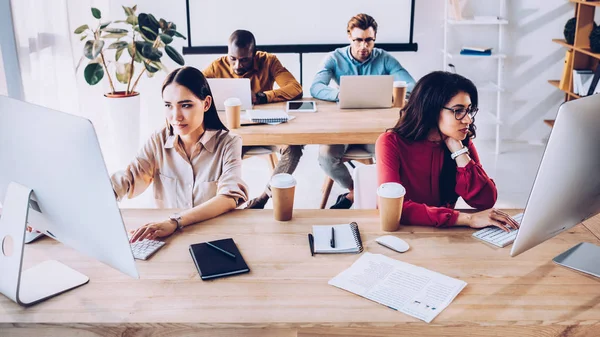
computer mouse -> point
(393, 243)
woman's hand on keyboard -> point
(153, 230)
(490, 217)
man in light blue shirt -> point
(359, 58)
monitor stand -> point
(584, 257)
(39, 282)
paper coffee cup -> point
(391, 198)
(399, 94)
(233, 107)
(283, 187)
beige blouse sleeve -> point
(230, 182)
(138, 175)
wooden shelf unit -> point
(583, 57)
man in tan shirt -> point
(263, 70)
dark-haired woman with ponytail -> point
(430, 152)
(194, 162)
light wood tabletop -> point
(286, 293)
(329, 125)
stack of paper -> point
(413, 290)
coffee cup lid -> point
(400, 84)
(391, 190)
(283, 180)
(232, 101)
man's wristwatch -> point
(454, 155)
(261, 98)
(176, 218)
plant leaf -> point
(113, 36)
(134, 8)
(176, 33)
(115, 30)
(118, 54)
(123, 72)
(174, 55)
(132, 20)
(104, 25)
(83, 37)
(147, 20)
(81, 29)
(87, 49)
(166, 38)
(163, 24)
(96, 13)
(128, 11)
(93, 73)
(97, 48)
(150, 67)
(148, 33)
(150, 52)
(118, 45)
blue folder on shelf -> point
(476, 51)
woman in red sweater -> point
(429, 151)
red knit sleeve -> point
(388, 153)
(473, 184)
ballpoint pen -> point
(311, 244)
(221, 250)
(332, 241)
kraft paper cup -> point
(399, 94)
(233, 111)
(391, 198)
(283, 187)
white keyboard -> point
(142, 250)
(498, 237)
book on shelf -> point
(476, 51)
(582, 81)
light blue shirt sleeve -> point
(320, 87)
(400, 74)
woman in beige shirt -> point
(194, 162)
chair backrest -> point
(365, 187)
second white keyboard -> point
(142, 250)
(497, 236)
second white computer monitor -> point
(566, 190)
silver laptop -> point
(366, 91)
(224, 88)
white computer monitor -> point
(56, 157)
(224, 88)
(366, 91)
(566, 190)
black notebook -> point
(213, 263)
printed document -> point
(413, 290)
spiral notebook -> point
(346, 237)
(268, 116)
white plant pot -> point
(123, 116)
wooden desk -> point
(329, 125)
(286, 293)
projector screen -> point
(295, 26)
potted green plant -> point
(146, 41)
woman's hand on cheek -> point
(453, 144)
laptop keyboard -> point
(142, 250)
(498, 237)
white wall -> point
(532, 58)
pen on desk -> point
(311, 244)
(221, 250)
(332, 241)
